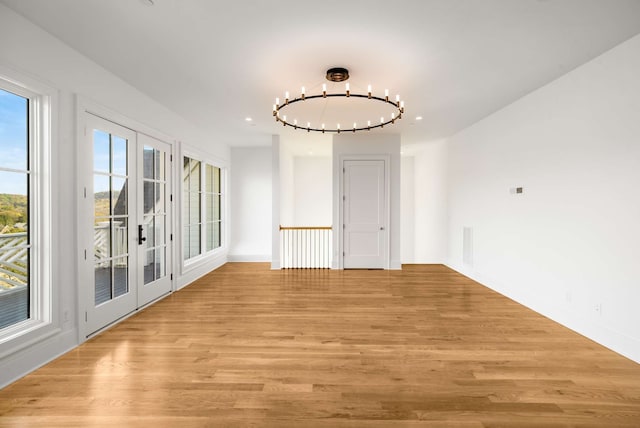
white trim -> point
(249, 258)
(339, 238)
(43, 300)
(200, 270)
(53, 345)
(276, 263)
(87, 105)
(608, 337)
(193, 264)
(86, 108)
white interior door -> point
(127, 222)
(364, 207)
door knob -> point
(381, 227)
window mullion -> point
(203, 208)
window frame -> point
(216, 196)
(43, 319)
(204, 253)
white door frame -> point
(147, 293)
(84, 172)
(339, 231)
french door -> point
(127, 222)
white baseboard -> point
(249, 258)
(395, 265)
(23, 362)
(198, 271)
(616, 341)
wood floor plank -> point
(246, 346)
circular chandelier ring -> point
(339, 74)
(386, 100)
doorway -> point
(126, 222)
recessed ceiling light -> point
(418, 117)
(248, 119)
(147, 2)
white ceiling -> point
(453, 61)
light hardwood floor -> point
(246, 346)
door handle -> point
(381, 227)
(141, 238)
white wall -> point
(313, 191)
(287, 187)
(568, 246)
(369, 144)
(424, 203)
(251, 209)
(27, 50)
(407, 210)
(431, 203)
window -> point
(25, 297)
(192, 208)
(15, 245)
(202, 208)
(213, 198)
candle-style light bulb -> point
(347, 87)
(302, 92)
(369, 90)
(402, 106)
(386, 95)
(324, 90)
(277, 101)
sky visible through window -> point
(13, 142)
(13, 162)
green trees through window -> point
(15, 243)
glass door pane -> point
(154, 219)
(155, 212)
(111, 216)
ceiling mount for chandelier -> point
(338, 74)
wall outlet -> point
(598, 308)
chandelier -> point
(343, 123)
